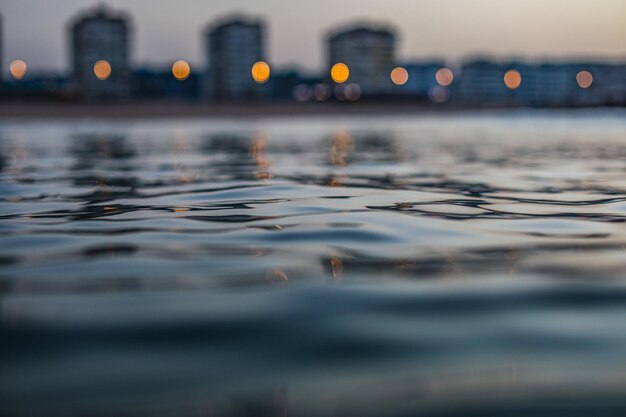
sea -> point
(437, 264)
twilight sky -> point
(35, 30)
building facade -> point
(369, 53)
(546, 84)
(481, 82)
(159, 84)
(233, 45)
(422, 78)
(101, 35)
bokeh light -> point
(340, 73)
(301, 93)
(321, 92)
(340, 93)
(512, 79)
(439, 94)
(444, 76)
(399, 76)
(102, 69)
(261, 72)
(181, 70)
(18, 69)
(584, 79)
(352, 92)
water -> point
(468, 264)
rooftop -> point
(236, 19)
(100, 12)
(362, 28)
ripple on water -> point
(458, 265)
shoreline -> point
(26, 109)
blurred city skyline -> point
(35, 30)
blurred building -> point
(37, 85)
(546, 84)
(233, 45)
(101, 36)
(608, 87)
(158, 83)
(481, 83)
(369, 53)
(422, 78)
(283, 83)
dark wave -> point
(441, 266)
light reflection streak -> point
(340, 148)
(181, 148)
(276, 277)
(336, 265)
(258, 142)
(512, 257)
(18, 156)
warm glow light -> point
(276, 277)
(261, 72)
(102, 70)
(181, 70)
(18, 69)
(258, 142)
(512, 79)
(444, 76)
(584, 79)
(340, 73)
(340, 148)
(336, 265)
(399, 76)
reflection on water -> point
(402, 266)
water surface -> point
(465, 264)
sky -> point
(165, 31)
